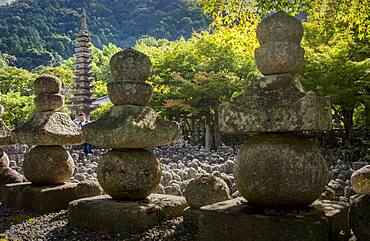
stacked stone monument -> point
(47, 165)
(279, 171)
(7, 175)
(129, 172)
(82, 101)
(359, 215)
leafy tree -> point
(18, 108)
(103, 108)
(336, 43)
(337, 59)
(16, 80)
(41, 33)
(191, 77)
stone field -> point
(145, 183)
(180, 163)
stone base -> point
(43, 199)
(191, 217)
(103, 214)
(359, 217)
(234, 220)
(337, 215)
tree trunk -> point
(216, 129)
(348, 124)
(208, 137)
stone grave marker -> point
(129, 172)
(47, 165)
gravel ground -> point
(16, 226)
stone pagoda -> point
(130, 172)
(279, 172)
(82, 101)
(47, 165)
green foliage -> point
(103, 108)
(337, 58)
(100, 89)
(18, 108)
(63, 73)
(192, 77)
(16, 80)
(101, 58)
(41, 32)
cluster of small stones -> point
(48, 162)
(181, 162)
(7, 173)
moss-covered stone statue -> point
(129, 172)
(47, 165)
(279, 171)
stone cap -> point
(131, 127)
(48, 128)
(275, 103)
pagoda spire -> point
(83, 20)
(82, 101)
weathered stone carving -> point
(48, 162)
(129, 172)
(47, 165)
(279, 166)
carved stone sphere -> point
(48, 165)
(129, 93)
(129, 174)
(280, 170)
(49, 102)
(206, 190)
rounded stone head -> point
(47, 84)
(280, 52)
(280, 27)
(130, 65)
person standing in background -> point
(80, 122)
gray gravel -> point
(16, 225)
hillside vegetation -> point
(41, 32)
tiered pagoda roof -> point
(82, 101)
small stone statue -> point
(48, 162)
(129, 172)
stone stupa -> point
(129, 172)
(47, 165)
(82, 100)
(279, 171)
